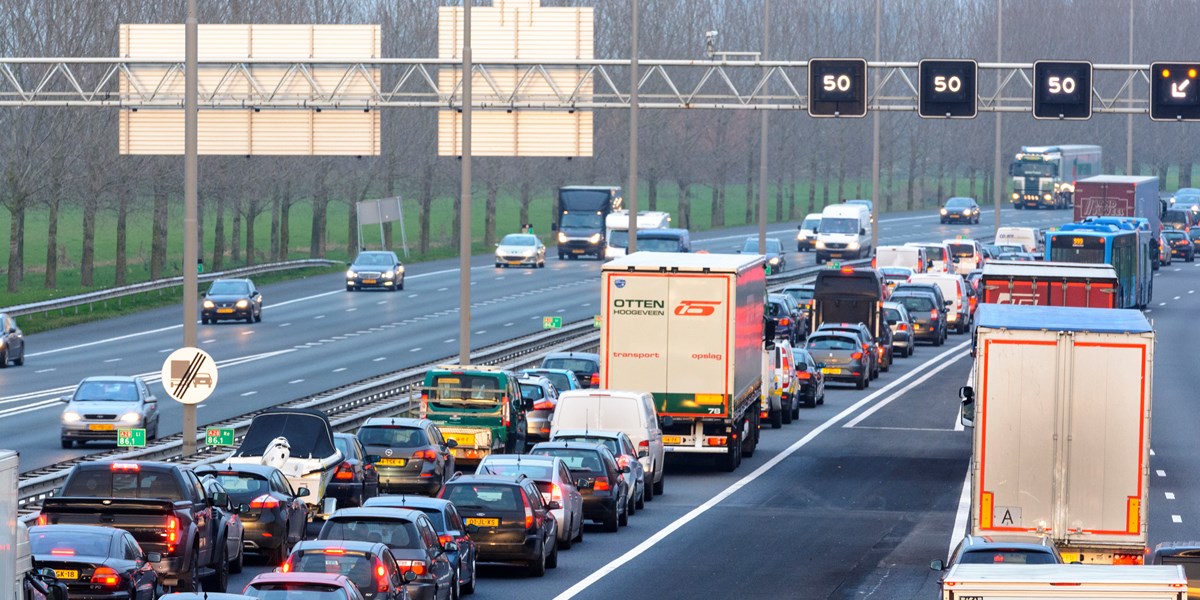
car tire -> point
(623, 518)
(641, 502)
(862, 383)
(279, 554)
(204, 320)
(565, 543)
(236, 566)
(3, 359)
(579, 536)
(537, 566)
(552, 560)
(648, 489)
(20, 361)
(349, 288)
(455, 588)
(631, 503)
(258, 316)
(658, 485)
(250, 317)
(611, 524)
(67, 444)
(469, 587)
(219, 580)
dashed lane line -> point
(1169, 495)
(1176, 519)
(1160, 473)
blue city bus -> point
(1118, 241)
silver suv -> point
(102, 405)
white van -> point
(966, 254)
(912, 257)
(937, 254)
(806, 236)
(616, 225)
(630, 412)
(954, 290)
(1028, 237)
(844, 232)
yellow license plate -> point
(577, 252)
(66, 574)
(463, 439)
(672, 439)
(102, 427)
(1069, 557)
(392, 462)
(831, 371)
(225, 311)
(514, 262)
(368, 281)
(483, 522)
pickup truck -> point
(162, 504)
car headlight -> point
(499, 252)
(852, 246)
(562, 238)
(351, 274)
(944, 211)
(774, 260)
(400, 269)
(70, 416)
(527, 253)
(966, 211)
(1045, 196)
(1015, 196)
(243, 303)
(131, 417)
(820, 245)
(595, 239)
(388, 275)
(208, 304)
(800, 236)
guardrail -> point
(351, 405)
(158, 284)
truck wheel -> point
(731, 460)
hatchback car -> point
(539, 393)
(586, 365)
(1164, 251)
(564, 380)
(370, 565)
(1180, 244)
(806, 234)
(812, 381)
(960, 210)
(893, 276)
(775, 257)
(840, 357)
(375, 269)
(102, 405)
(606, 493)
(869, 343)
(1007, 549)
(450, 528)
(521, 250)
(283, 586)
(413, 456)
(899, 322)
(411, 539)
(927, 318)
(12, 342)
(515, 525)
(277, 514)
(232, 299)
(626, 453)
(553, 480)
(356, 478)
(95, 562)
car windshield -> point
(70, 543)
(958, 203)
(619, 238)
(396, 533)
(393, 436)
(474, 390)
(518, 239)
(751, 246)
(560, 380)
(1175, 216)
(243, 487)
(295, 591)
(914, 303)
(829, 342)
(1006, 556)
(355, 566)
(839, 225)
(483, 496)
(121, 391)
(576, 459)
(582, 220)
(1175, 234)
(228, 288)
(532, 391)
(656, 244)
(810, 223)
(578, 365)
(373, 259)
(613, 445)
(511, 468)
(800, 294)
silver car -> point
(544, 396)
(553, 480)
(902, 328)
(102, 405)
(519, 250)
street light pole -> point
(762, 150)
(464, 217)
(998, 177)
(190, 202)
(875, 196)
(632, 190)
(1129, 117)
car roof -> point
(583, 355)
(407, 500)
(833, 333)
(230, 279)
(895, 305)
(264, 470)
(488, 478)
(376, 512)
(518, 458)
(121, 378)
(109, 531)
(396, 421)
(352, 545)
(302, 577)
(567, 372)
(534, 379)
(597, 433)
(1014, 541)
(569, 445)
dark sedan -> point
(606, 494)
(787, 324)
(12, 342)
(411, 454)
(776, 258)
(840, 357)
(585, 364)
(450, 528)
(355, 479)
(1194, 235)
(232, 299)
(95, 562)
(928, 321)
(277, 514)
(960, 210)
(1181, 245)
(375, 269)
(812, 380)
(515, 525)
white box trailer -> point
(15, 557)
(1061, 410)
(688, 328)
(1052, 582)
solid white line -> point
(691, 515)
(1169, 495)
(105, 341)
(889, 399)
(902, 428)
(31, 407)
(960, 518)
(1161, 473)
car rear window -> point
(72, 543)
(242, 487)
(576, 459)
(560, 380)
(483, 496)
(1006, 556)
(435, 516)
(355, 566)
(396, 533)
(915, 303)
(831, 343)
(962, 250)
(296, 591)
(393, 436)
(535, 470)
(532, 391)
(106, 483)
(579, 365)
(612, 445)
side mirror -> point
(302, 492)
(967, 412)
(625, 469)
(153, 557)
(937, 565)
(450, 547)
(643, 454)
(409, 577)
(243, 507)
(451, 443)
(668, 421)
(64, 399)
(800, 227)
(554, 505)
(862, 231)
(372, 458)
(769, 329)
(220, 499)
(47, 573)
(820, 365)
(527, 403)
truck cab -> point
(581, 218)
(479, 407)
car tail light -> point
(335, 551)
(504, 411)
(902, 327)
(264, 501)
(715, 441)
(425, 455)
(764, 415)
(126, 467)
(544, 405)
(784, 322)
(105, 576)
(933, 314)
(529, 512)
(804, 375)
(595, 380)
(344, 471)
(601, 484)
(418, 567)
(856, 355)
(445, 539)
(287, 566)
(43, 520)
(172, 529)
(62, 552)
(556, 493)
(866, 346)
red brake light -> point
(595, 380)
(803, 375)
(445, 539)
(418, 567)
(287, 565)
(172, 529)
(425, 455)
(848, 270)
(544, 405)
(528, 512)
(381, 582)
(62, 552)
(105, 576)
(344, 471)
(43, 520)
(264, 501)
(601, 484)
(856, 355)
(1128, 559)
(644, 445)
(903, 327)
(335, 551)
(128, 467)
(785, 322)
(933, 314)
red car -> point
(326, 586)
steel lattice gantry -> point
(508, 85)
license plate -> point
(66, 574)
(392, 462)
(102, 427)
(514, 262)
(225, 311)
(462, 439)
(368, 281)
(577, 251)
(483, 522)
(831, 371)
(1069, 557)
(672, 439)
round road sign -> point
(189, 375)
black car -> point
(812, 380)
(355, 479)
(277, 514)
(515, 525)
(606, 494)
(1194, 235)
(960, 210)
(375, 269)
(585, 364)
(928, 320)
(412, 539)
(1181, 245)
(787, 322)
(232, 299)
(776, 258)
(12, 342)
(370, 565)
(411, 455)
(450, 528)
(95, 562)
(229, 525)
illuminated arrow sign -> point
(1172, 95)
(1179, 88)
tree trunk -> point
(250, 217)
(941, 180)
(890, 174)
(841, 183)
(218, 259)
(50, 281)
(16, 234)
(275, 202)
(123, 197)
(423, 205)
(717, 217)
(235, 238)
(652, 192)
(685, 206)
(87, 259)
(353, 229)
(912, 174)
(489, 212)
(285, 233)
(1185, 173)
(316, 245)
(526, 196)
(779, 201)
(954, 181)
(971, 174)
(158, 244)
(812, 184)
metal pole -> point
(762, 142)
(631, 246)
(998, 177)
(1129, 117)
(358, 219)
(875, 204)
(379, 211)
(190, 238)
(464, 224)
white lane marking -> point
(250, 393)
(208, 341)
(1152, 452)
(448, 341)
(382, 302)
(1162, 303)
(381, 358)
(413, 295)
(304, 299)
(105, 341)
(901, 428)
(166, 350)
(351, 309)
(44, 370)
(586, 304)
(481, 332)
(870, 411)
(247, 332)
(1169, 495)
(1191, 291)
(1161, 473)
(294, 381)
(285, 324)
(691, 515)
(561, 310)
(535, 318)
(52, 403)
(113, 360)
(508, 324)
(1175, 298)
(339, 369)
(319, 317)
(1178, 270)
(442, 289)
(1176, 519)
(960, 517)
(417, 349)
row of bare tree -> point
(55, 158)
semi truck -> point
(849, 295)
(688, 328)
(1044, 176)
(1010, 581)
(616, 226)
(1061, 412)
(580, 219)
(1119, 196)
(1086, 285)
(18, 578)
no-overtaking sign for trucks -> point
(189, 375)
